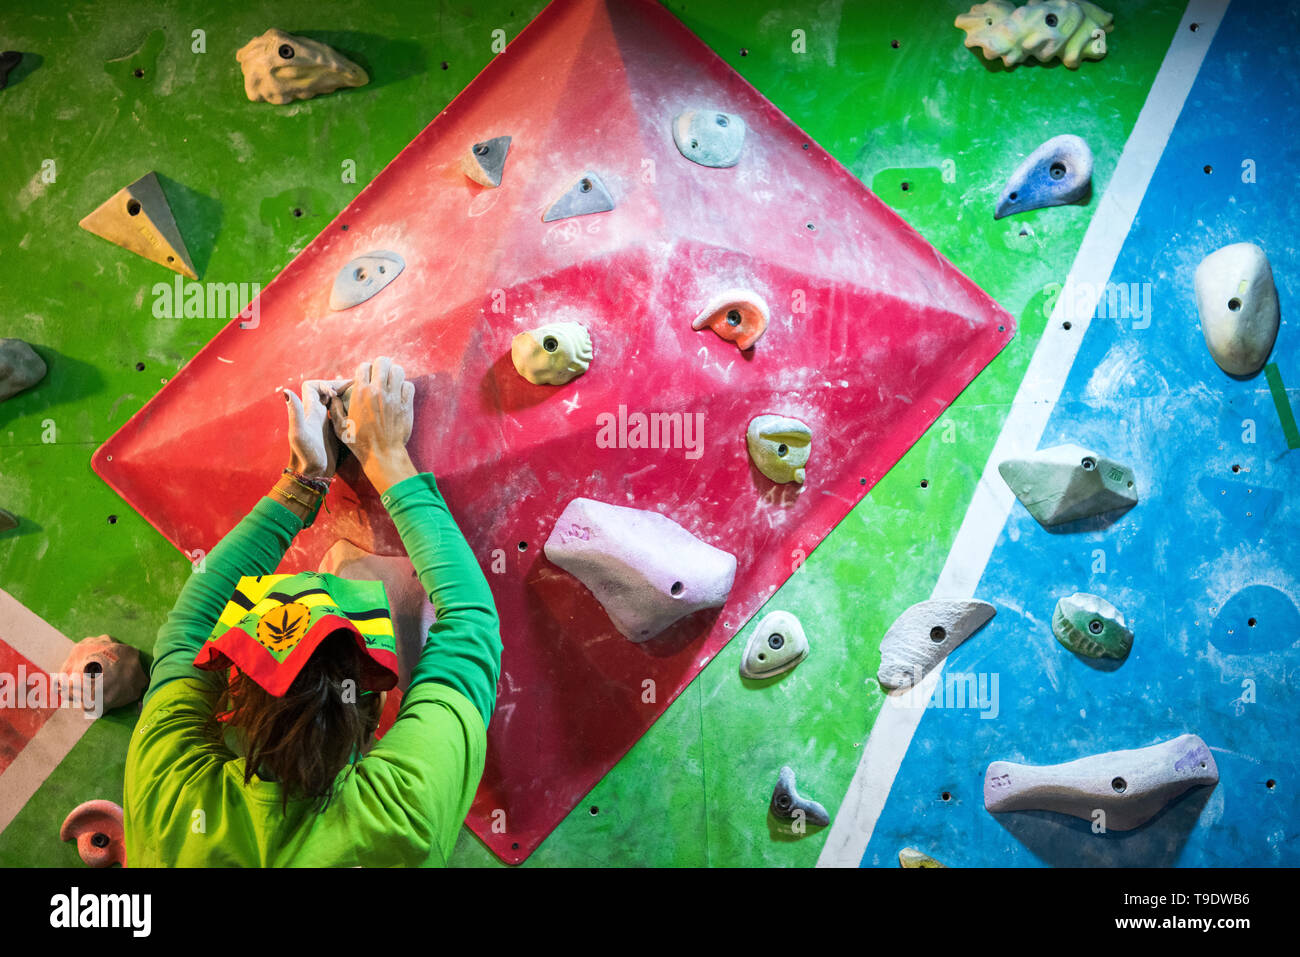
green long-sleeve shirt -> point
(186, 803)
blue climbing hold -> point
(1058, 172)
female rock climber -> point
(254, 745)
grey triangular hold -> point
(1068, 483)
(924, 635)
(786, 801)
(364, 277)
(587, 195)
(485, 162)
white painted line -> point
(1030, 410)
(47, 648)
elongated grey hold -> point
(485, 162)
(1090, 625)
(1057, 173)
(7, 520)
(925, 634)
(787, 802)
(646, 571)
(20, 367)
(587, 195)
(364, 277)
(1237, 302)
(1130, 787)
(709, 137)
(777, 645)
(911, 857)
(1068, 483)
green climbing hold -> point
(1091, 626)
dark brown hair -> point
(306, 737)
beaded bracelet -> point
(318, 485)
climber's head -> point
(305, 658)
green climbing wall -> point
(110, 91)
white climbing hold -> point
(1068, 482)
(925, 634)
(1237, 301)
(777, 645)
(644, 569)
(552, 354)
(709, 137)
(911, 857)
(1130, 787)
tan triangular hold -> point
(138, 219)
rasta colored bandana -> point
(273, 623)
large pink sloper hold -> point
(644, 569)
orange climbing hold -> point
(737, 315)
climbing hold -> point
(587, 195)
(924, 635)
(777, 645)
(1130, 787)
(1091, 626)
(779, 447)
(409, 606)
(787, 804)
(97, 828)
(553, 354)
(485, 162)
(124, 676)
(8, 60)
(709, 137)
(737, 315)
(1057, 173)
(7, 520)
(20, 367)
(280, 67)
(364, 277)
(1074, 31)
(911, 857)
(1067, 483)
(1237, 301)
(139, 219)
(645, 569)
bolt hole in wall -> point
(946, 796)
(904, 186)
(895, 44)
(297, 213)
(445, 65)
(139, 73)
(139, 367)
(1208, 169)
(1066, 325)
(112, 519)
(523, 546)
(1270, 784)
(594, 810)
(925, 483)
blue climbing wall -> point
(1206, 567)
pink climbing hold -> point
(97, 828)
(123, 675)
(646, 570)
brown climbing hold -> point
(737, 315)
(139, 219)
(97, 828)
